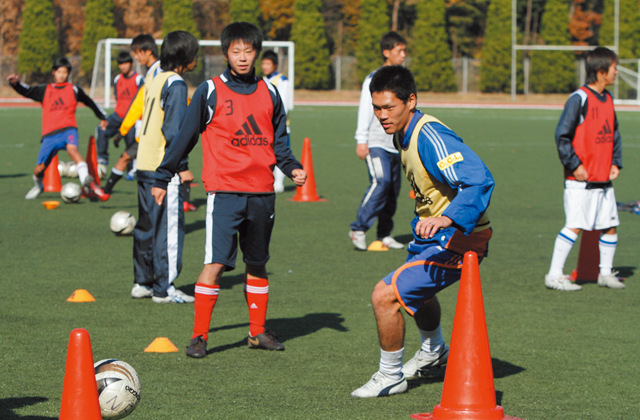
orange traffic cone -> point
(52, 177)
(92, 160)
(308, 191)
(468, 392)
(589, 257)
(80, 392)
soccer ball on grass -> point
(122, 223)
(72, 170)
(71, 192)
(62, 168)
(118, 388)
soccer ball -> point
(71, 192)
(122, 223)
(102, 170)
(118, 388)
(62, 168)
(72, 171)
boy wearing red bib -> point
(244, 135)
(59, 128)
(590, 150)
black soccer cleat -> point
(197, 348)
(267, 341)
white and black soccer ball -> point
(122, 223)
(72, 170)
(118, 388)
(71, 192)
(62, 168)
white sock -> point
(117, 171)
(564, 242)
(83, 171)
(432, 341)
(391, 363)
(607, 246)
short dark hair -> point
(270, 55)
(597, 60)
(241, 31)
(145, 42)
(124, 57)
(396, 79)
(390, 40)
(179, 49)
(61, 62)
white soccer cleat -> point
(177, 296)
(359, 239)
(381, 385)
(36, 190)
(140, 292)
(33, 193)
(611, 281)
(391, 243)
(424, 361)
(562, 283)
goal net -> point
(211, 63)
(629, 81)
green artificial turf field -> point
(555, 355)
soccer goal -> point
(211, 63)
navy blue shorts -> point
(423, 275)
(244, 217)
(52, 144)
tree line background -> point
(34, 32)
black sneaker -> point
(267, 341)
(197, 348)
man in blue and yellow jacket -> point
(453, 188)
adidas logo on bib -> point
(249, 135)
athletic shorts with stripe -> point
(589, 208)
(424, 275)
(234, 218)
(52, 144)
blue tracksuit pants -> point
(380, 199)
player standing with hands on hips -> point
(590, 150)
(244, 135)
(453, 188)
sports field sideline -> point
(555, 355)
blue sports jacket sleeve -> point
(469, 177)
(566, 130)
(193, 123)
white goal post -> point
(103, 63)
(615, 47)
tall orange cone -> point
(589, 257)
(308, 191)
(51, 180)
(92, 160)
(80, 392)
(468, 392)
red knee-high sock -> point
(206, 298)
(256, 291)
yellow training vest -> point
(432, 196)
(152, 141)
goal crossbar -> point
(106, 44)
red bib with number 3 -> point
(237, 144)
